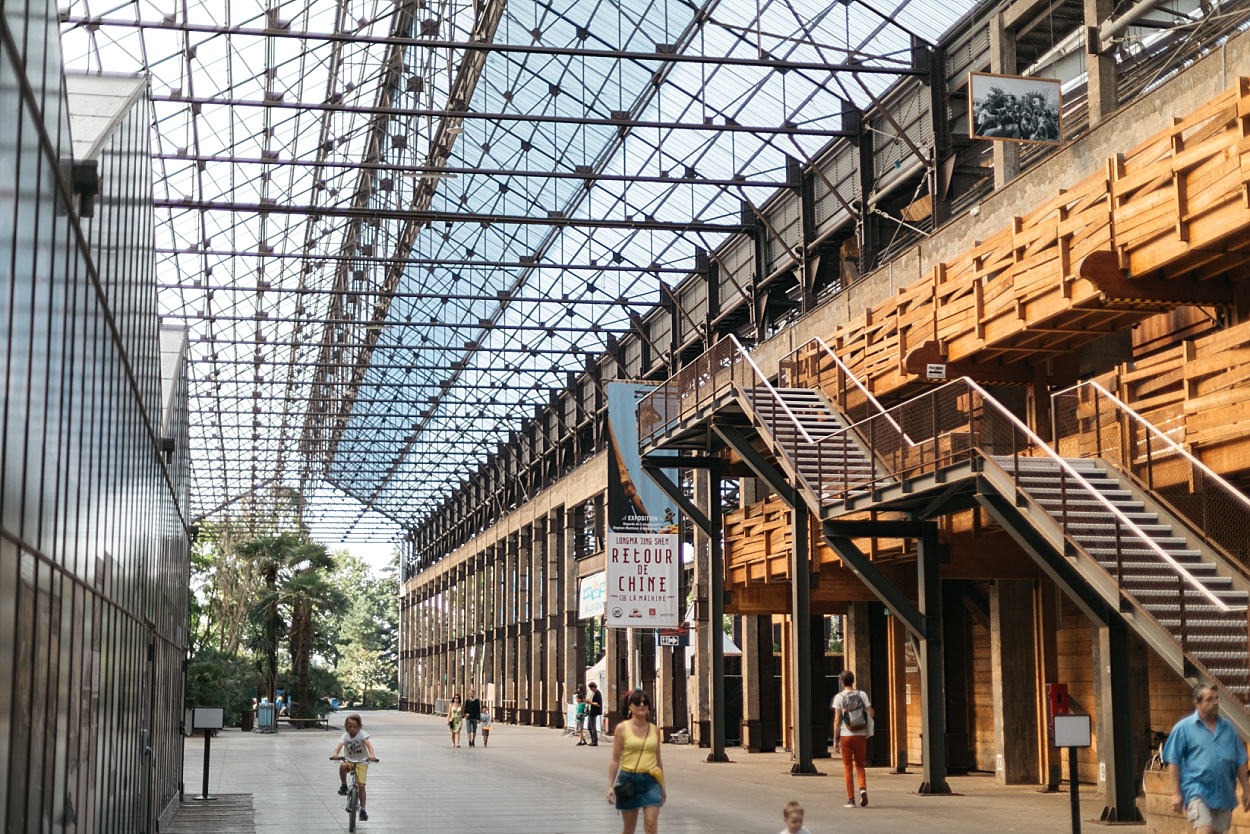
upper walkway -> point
(537, 781)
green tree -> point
(291, 572)
(308, 595)
(366, 650)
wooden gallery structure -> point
(1013, 456)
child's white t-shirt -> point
(354, 749)
(802, 830)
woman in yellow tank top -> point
(636, 758)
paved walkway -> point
(537, 781)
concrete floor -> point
(537, 781)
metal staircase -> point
(809, 439)
(1153, 532)
(1180, 596)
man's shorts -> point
(1200, 815)
(472, 722)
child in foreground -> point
(357, 753)
(793, 816)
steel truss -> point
(401, 234)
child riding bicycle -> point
(357, 753)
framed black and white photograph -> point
(1013, 108)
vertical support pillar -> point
(896, 694)
(499, 648)
(801, 635)
(700, 700)
(524, 645)
(573, 661)
(1046, 626)
(511, 572)
(1003, 60)
(716, 613)
(932, 700)
(554, 608)
(1118, 705)
(1014, 682)
(753, 683)
(455, 645)
(1100, 89)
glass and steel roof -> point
(394, 228)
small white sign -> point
(935, 371)
(208, 718)
(1072, 731)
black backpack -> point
(854, 715)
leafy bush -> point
(218, 680)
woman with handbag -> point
(636, 774)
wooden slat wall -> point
(981, 700)
(1075, 652)
(1161, 209)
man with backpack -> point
(852, 725)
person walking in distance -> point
(486, 727)
(1206, 762)
(852, 712)
(472, 716)
(455, 719)
(594, 713)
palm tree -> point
(306, 595)
(274, 558)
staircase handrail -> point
(759, 374)
(837, 360)
(1037, 442)
(1227, 489)
(654, 402)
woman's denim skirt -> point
(646, 791)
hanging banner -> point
(635, 503)
(643, 556)
(642, 580)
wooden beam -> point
(1103, 269)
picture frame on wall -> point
(1014, 108)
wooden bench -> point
(301, 723)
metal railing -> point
(702, 385)
(959, 422)
(816, 365)
(1090, 421)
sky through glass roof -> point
(394, 229)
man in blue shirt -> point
(1206, 761)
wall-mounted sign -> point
(592, 592)
(935, 370)
(1014, 108)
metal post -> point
(208, 738)
(1075, 792)
(716, 600)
